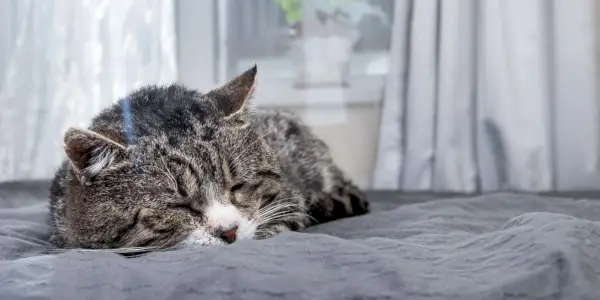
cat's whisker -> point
(277, 216)
(162, 247)
(247, 147)
(168, 175)
(277, 209)
(283, 201)
(123, 250)
(282, 211)
(168, 172)
(282, 215)
(279, 205)
(270, 217)
(137, 250)
(236, 162)
(239, 145)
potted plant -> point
(323, 34)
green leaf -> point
(292, 9)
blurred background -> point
(414, 95)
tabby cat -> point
(170, 166)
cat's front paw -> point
(268, 231)
(358, 202)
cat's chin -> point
(246, 231)
(200, 238)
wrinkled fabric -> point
(489, 247)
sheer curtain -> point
(62, 61)
(487, 95)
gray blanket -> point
(489, 247)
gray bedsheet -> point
(490, 247)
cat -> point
(168, 167)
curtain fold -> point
(62, 61)
(487, 95)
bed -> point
(496, 246)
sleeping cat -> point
(169, 166)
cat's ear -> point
(232, 97)
(90, 152)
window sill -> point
(361, 91)
(275, 84)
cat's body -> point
(194, 169)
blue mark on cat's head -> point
(127, 121)
(128, 128)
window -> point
(303, 48)
(217, 39)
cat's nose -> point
(229, 235)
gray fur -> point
(154, 182)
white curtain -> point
(487, 95)
(62, 61)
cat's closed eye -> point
(236, 187)
(237, 199)
(269, 197)
(179, 205)
(186, 206)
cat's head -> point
(198, 173)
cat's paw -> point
(358, 202)
(267, 231)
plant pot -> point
(321, 61)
